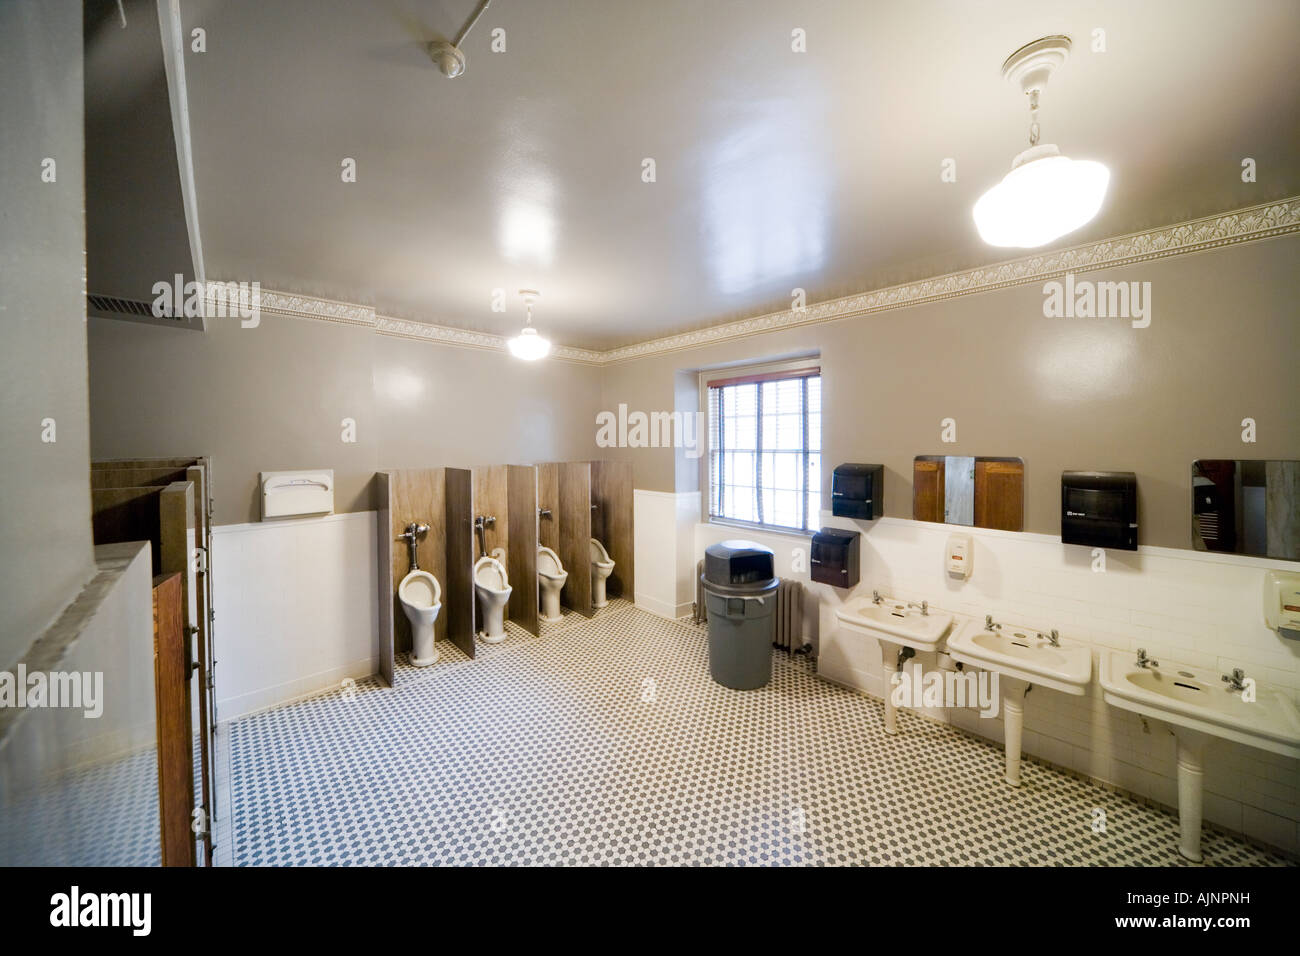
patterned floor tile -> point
(605, 742)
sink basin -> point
(1019, 652)
(894, 622)
(902, 632)
(1199, 707)
(1024, 658)
(1199, 700)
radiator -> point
(789, 617)
(788, 631)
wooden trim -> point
(764, 377)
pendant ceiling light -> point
(528, 345)
(1046, 195)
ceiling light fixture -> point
(1046, 195)
(528, 345)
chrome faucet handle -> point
(1144, 661)
(1237, 679)
(875, 597)
(989, 625)
(1053, 637)
(924, 606)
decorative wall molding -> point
(1244, 225)
(1265, 221)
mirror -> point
(1246, 507)
(974, 491)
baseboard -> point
(233, 708)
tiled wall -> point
(1200, 609)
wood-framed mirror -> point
(969, 490)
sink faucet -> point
(924, 606)
(1053, 638)
(989, 625)
(875, 597)
(1144, 661)
(1237, 679)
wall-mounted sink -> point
(897, 622)
(1022, 657)
(902, 628)
(1026, 654)
(1199, 707)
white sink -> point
(894, 622)
(1024, 653)
(1199, 707)
(1022, 657)
(1197, 699)
(903, 630)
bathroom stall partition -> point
(611, 522)
(573, 482)
(167, 502)
(439, 498)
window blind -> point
(765, 448)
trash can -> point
(740, 595)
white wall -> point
(297, 608)
(1201, 609)
(665, 553)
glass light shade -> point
(1045, 196)
(528, 345)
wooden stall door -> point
(999, 495)
(171, 668)
(521, 494)
(574, 480)
(927, 490)
(458, 598)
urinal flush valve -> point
(411, 536)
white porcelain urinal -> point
(602, 565)
(493, 590)
(421, 598)
(550, 578)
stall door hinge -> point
(200, 560)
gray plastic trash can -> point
(740, 595)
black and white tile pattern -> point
(605, 742)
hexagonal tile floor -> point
(606, 742)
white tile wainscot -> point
(297, 610)
(1190, 606)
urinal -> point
(421, 599)
(550, 578)
(493, 590)
(602, 565)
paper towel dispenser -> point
(857, 491)
(1099, 509)
(293, 494)
(836, 555)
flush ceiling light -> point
(1046, 195)
(528, 345)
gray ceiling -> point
(775, 169)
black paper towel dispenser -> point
(835, 557)
(857, 491)
(1099, 509)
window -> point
(765, 448)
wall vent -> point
(112, 305)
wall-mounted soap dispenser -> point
(1099, 509)
(1282, 603)
(836, 554)
(857, 491)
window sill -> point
(760, 528)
